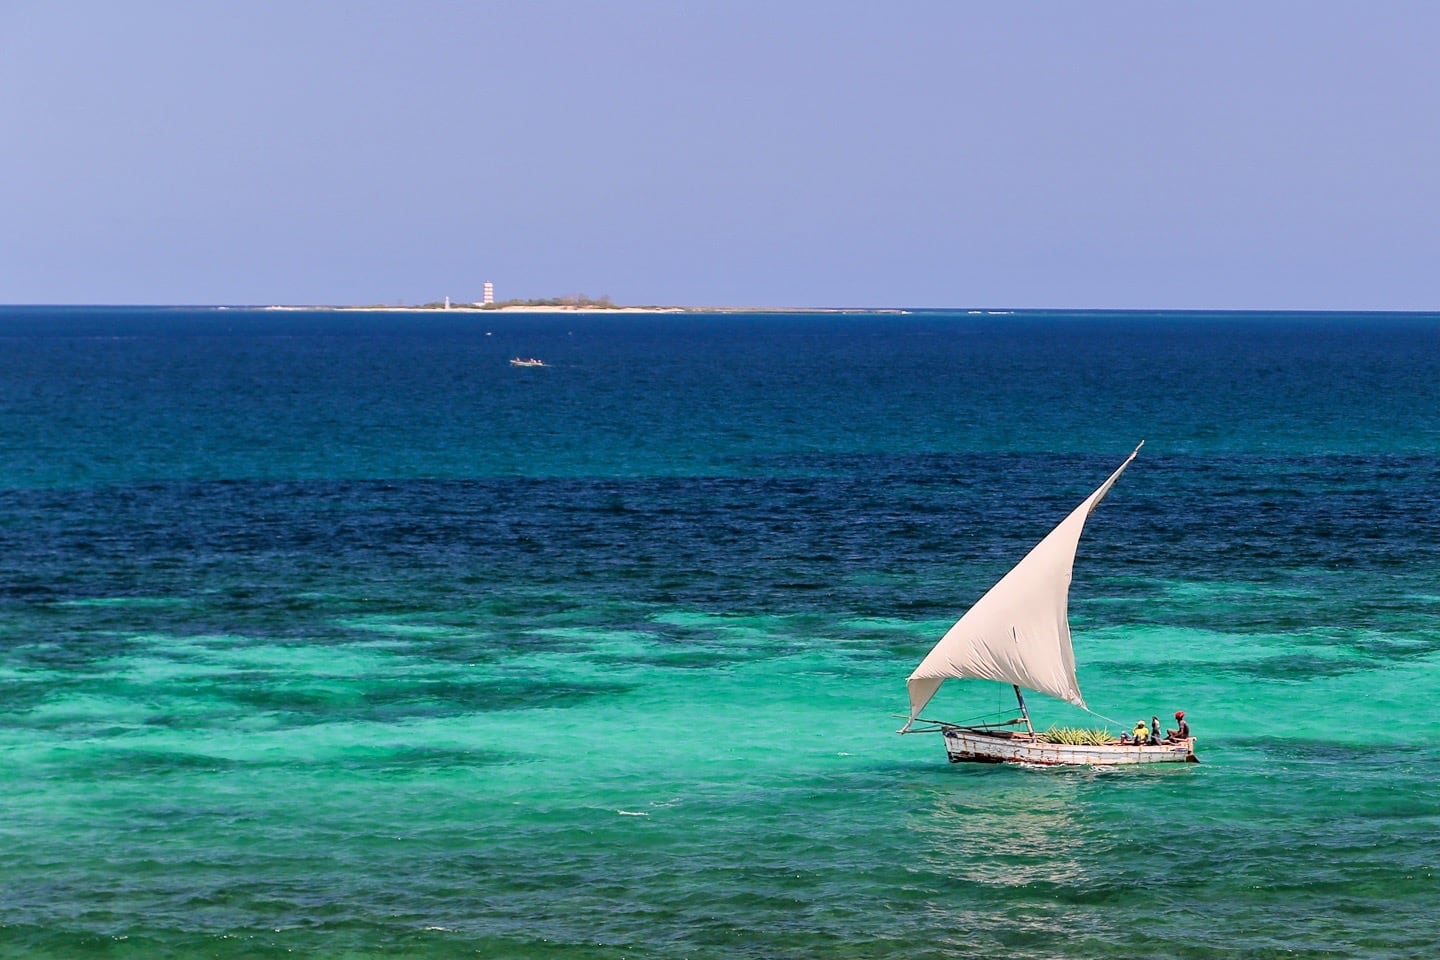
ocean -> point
(333, 634)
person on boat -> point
(1182, 732)
(1139, 734)
(1154, 729)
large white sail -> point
(1018, 632)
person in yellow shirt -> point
(1141, 733)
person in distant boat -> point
(1139, 734)
(1182, 732)
(1154, 729)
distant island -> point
(578, 303)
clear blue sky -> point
(1008, 154)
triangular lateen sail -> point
(1018, 632)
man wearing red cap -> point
(1183, 732)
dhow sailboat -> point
(1019, 633)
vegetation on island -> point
(578, 301)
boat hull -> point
(982, 746)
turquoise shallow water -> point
(335, 635)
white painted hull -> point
(978, 746)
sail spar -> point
(1019, 631)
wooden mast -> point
(1023, 712)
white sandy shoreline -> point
(485, 310)
(480, 311)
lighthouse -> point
(488, 297)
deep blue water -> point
(333, 633)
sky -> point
(1094, 155)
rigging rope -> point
(1103, 717)
(981, 716)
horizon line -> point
(467, 307)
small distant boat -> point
(1019, 633)
(526, 362)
